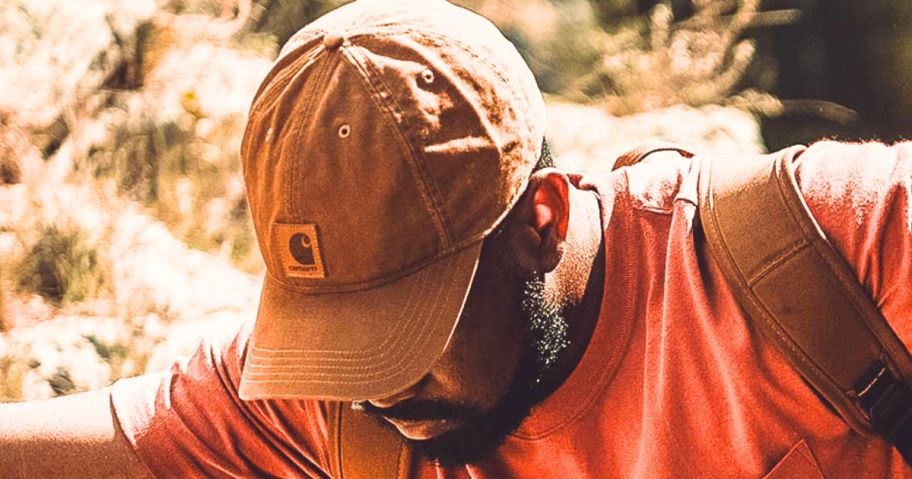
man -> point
(508, 319)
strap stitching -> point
(824, 251)
(750, 295)
(782, 257)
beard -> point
(480, 432)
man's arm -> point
(72, 436)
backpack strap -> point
(639, 153)
(360, 448)
(796, 288)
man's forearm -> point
(73, 436)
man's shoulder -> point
(652, 184)
(853, 174)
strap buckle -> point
(888, 403)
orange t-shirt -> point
(674, 383)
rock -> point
(25, 310)
(589, 139)
(4, 316)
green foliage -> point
(61, 382)
(61, 267)
(116, 354)
(215, 8)
(567, 50)
(108, 351)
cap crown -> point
(386, 136)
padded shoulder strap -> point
(362, 449)
(796, 288)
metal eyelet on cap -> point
(345, 130)
(427, 76)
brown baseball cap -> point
(387, 141)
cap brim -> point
(355, 345)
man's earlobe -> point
(541, 220)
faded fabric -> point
(674, 383)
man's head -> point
(509, 335)
(389, 161)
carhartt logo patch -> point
(300, 250)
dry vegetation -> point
(61, 267)
(629, 63)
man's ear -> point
(538, 223)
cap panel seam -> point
(374, 81)
(486, 124)
(265, 98)
(282, 72)
(318, 79)
(299, 39)
(440, 40)
(264, 110)
(519, 99)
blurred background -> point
(124, 233)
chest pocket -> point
(797, 463)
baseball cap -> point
(388, 140)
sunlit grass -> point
(12, 373)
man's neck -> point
(578, 282)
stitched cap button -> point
(333, 40)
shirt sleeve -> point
(860, 196)
(189, 421)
